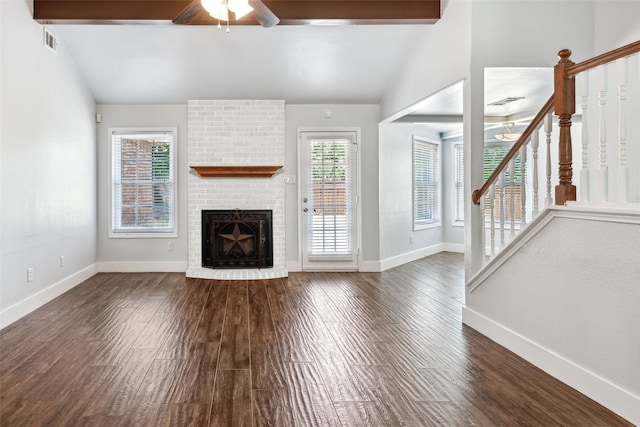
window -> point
(493, 155)
(458, 168)
(426, 183)
(143, 183)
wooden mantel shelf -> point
(236, 171)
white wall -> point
(438, 59)
(150, 254)
(396, 197)
(48, 168)
(616, 24)
(365, 117)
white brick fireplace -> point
(236, 133)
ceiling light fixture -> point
(507, 134)
(219, 9)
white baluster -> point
(534, 147)
(512, 202)
(502, 206)
(623, 173)
(523, 186)
(548, 201)
(492, 225)
(584, 173)
(483, 209)
(603, 172)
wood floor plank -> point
(235, 348)
(232, 399)
(211, 321)
(313, 349)
(120, 389)
(306, 400)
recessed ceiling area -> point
(522, 90)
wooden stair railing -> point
(515, 150)
(495, 193)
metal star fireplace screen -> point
(237, 239)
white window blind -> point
(458, 158)
(426, 183)
(331, 205)
(143, 183)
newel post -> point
(565, 106)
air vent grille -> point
(506, 100)
(50, 41)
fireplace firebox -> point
(237, 239)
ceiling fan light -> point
(507, 135)
(240, 8)
(217, 9)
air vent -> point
(505, 101)
(50, 41)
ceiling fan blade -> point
(263, 14)
(188, 13)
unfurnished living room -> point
(319, 212)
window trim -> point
(437, 220)
(112, 234)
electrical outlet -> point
(170, 246)
(411, 238)
(61, 260)
(30, 274)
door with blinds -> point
(328, 190)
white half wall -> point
(567, 300)
(47, 167)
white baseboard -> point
(591, 385)
(453, 247)
(40, 298)
(395, 261)
(378, 266)
(143, 267)
(370, 267)
(293, 266)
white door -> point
(328, 191)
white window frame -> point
(152, 232)
(457, 179)
(427, 144)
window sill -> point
(142, 235)
(427, 226)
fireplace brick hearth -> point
(236, 133)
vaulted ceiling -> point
(129, 51)
(315, 55)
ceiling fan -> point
(220, 10)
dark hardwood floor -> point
(316, 349)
